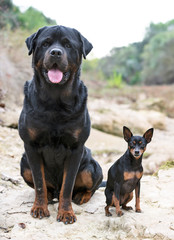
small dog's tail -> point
(102, 184)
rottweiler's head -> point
(57, 52)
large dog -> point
(54, 124)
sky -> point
(105, 23)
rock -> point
(111, 118)
(9, 118)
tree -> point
(158, 59)
(32, 19)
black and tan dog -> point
(54, 124)
(125, 174)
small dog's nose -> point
(137, 152)
(56, 52)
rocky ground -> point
(157, 195)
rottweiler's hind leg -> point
(26, 171)
(88, 179)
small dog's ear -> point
(127, 133)
(30, 41)
(86, 46)
(148, 135)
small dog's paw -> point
(108, 214)
(127, 208)
(120, 213)
(138, 210)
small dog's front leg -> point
(137, 197)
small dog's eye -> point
(140, 142)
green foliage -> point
(148, 62)
(115, 80)
(12, 18)
(90, 65)
(8, 14)
(33, 19)
(127, 61)
(158, 60)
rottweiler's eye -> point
(46, 44)
(67, 45)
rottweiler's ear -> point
(127, 133)
(86, 46)
(30, 41)
(148, 135)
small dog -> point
(125, 174)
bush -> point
(115, 80)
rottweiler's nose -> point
(137, 152)
(56, 52)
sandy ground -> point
(155, 222)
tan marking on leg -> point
(32, 133)
(107, 212)
(65, 211)
(84, 179)
(117, 205)
(28, 176)
(137, 201)
(40, 206)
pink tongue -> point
(55, 75)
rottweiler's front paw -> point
(67, 217)
(40, 211)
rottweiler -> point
(54, 124)
(125, 174)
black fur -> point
(125, 174)
(54, 124)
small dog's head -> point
(57, 52)
(137, 144)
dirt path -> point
(156, 221)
